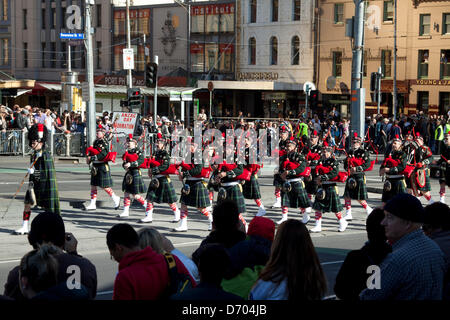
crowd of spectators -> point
(407, 243)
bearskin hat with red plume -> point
(38, 132)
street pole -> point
(306, 104)
(91, 123)
(379, 90)
(155, 97)
(394, 94)
(189, 103)
(69, 70)
(130, 78)
(358, 98)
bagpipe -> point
(204, 174)
(289, 165)
(389, 162)
(311, 156)
(356, 162)
(321, 169)
(91, 151)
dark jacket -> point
(205, 292)
(352, 276)
(227, 238)
(61, 292)
(442, 239)
(88, 275)
(254, 251)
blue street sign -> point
(78, 36)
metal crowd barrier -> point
(11, 142)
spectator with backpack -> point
(143, 273)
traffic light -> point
(151, 74)
(373, 81)
(314, 98)
(134, 98)
(124, 103)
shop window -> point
(295, 49)
(386, 64)
(337, 64)
(422, 100)
(423, 64)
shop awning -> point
(251, 85)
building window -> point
(5, 10)
(296, 10)
(424, 24)
(253, 4)
(4, 58)
(388, 11)
(63, 17)
(53, 55)
(423, 64)
(365, 63)
(25, 55)
(337, 64)
(274, 10)
(24, 17)
(99, 55)
(43, 54)
(445, 64)
(295, 49)
(338, 13)
(252, 51)
(226, 51)
(446, 23)
(273, 51)
(43, 18)
(422, 100)
(98, 9)
(444, 102)
(197, 57)
(53, 18)
(386, 63)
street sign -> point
(72, 36)
(307, 86)
(128, 59)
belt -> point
(395, 176)
(229, 184)
(294, 180)
(98, 162)
(194, 179)
(329, 183)
(160, 176)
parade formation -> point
(306, 180)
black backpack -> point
(178, 282)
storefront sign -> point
(268, 76)
(273, 96)
(430, 82)
(387, 86)
(124, 122)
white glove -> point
(30, 170)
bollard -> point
(68, 145)
(23, 143)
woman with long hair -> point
(293, 271)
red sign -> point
(226, 48)
(197, 48)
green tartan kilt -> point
(311, 186)
(251, 188)
(165, 192)
(234, 193)
(103, 177)
(398, 186)
(427, 186)
(137, 186)
(198, 196)
(360, 191)
(297, 197)
(277, 182)
(331, 203)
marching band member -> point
(293, 193)
(43, 189)
(98, 156)
(161, 189)
(423, 157)
(194, 192)
(327, 198)
(133, 183)
(357, 162)
(251, 189)
(393, 166)
(312, 152)
(284, 138)
(444, 162)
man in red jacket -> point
(143, 274)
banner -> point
(124, 122)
